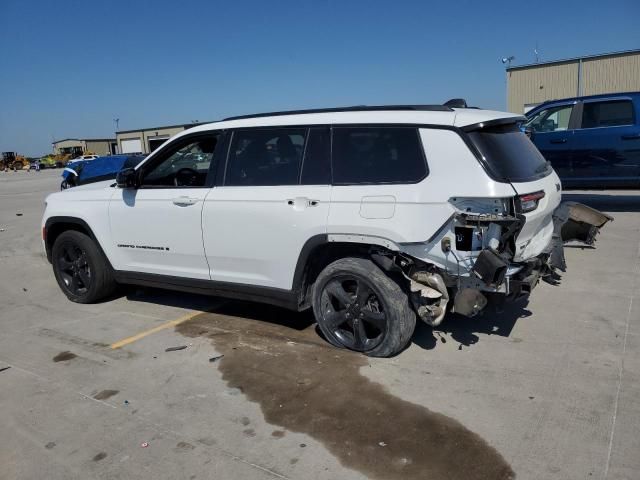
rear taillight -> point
(529, 202)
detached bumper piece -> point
(490, 267)
(583, 223)
(573, 222)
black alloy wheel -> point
(81, 269)
(74, 269)
(353, 312)
(359, 307)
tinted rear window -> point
(510, 154)
(265, 157)
(365, 155)
(607, 114)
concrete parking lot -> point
(548, 389)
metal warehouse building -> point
(530, 85)
(78, 146)
(146, 140)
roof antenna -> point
(535, 51)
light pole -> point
(508, 60)
(116, 121)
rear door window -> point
(509, 154)
(366, 155)
(612, 113)
(263, 157)
(316, 166)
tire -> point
(80, 268)
(358, 307)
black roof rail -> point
(357, 108)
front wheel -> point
(360, 308)
(80, 268)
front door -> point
(552, 134)
(157, 227)
(274, 197)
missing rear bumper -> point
(573, 222)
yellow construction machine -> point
(12, 161)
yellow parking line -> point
(138, 336)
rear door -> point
(273, 197)
(607, 144)
(552, 133)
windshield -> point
(510, 154)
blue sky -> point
(68, 68)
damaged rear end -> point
(496, 249)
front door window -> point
(551, 119)
(185, 166)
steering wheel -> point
(185, 177)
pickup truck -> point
(591, 142)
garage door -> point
(131, 145)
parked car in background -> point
(591, 142)
(371, 216)
(81, 172)
(86, 157)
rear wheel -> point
(360, 308)
(80, 268)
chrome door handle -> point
(184, 201)
(559, 140)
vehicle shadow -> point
(466, 331)
(463, 330)
(625, 202)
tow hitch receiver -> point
(574, 222)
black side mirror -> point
(528, 131)
(127, 178)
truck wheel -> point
(360, 308)
(81, 269)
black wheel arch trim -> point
(56, 220)
(303, 260)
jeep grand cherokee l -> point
(371, 216)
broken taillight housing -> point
(529, 202)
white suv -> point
(372, 216)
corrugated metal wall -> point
(144, 135)
(540, 83)
(58, 146)
(98, 148)
(611, 74)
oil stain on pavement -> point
(104, 394)
(64, 357)
(304, 385)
